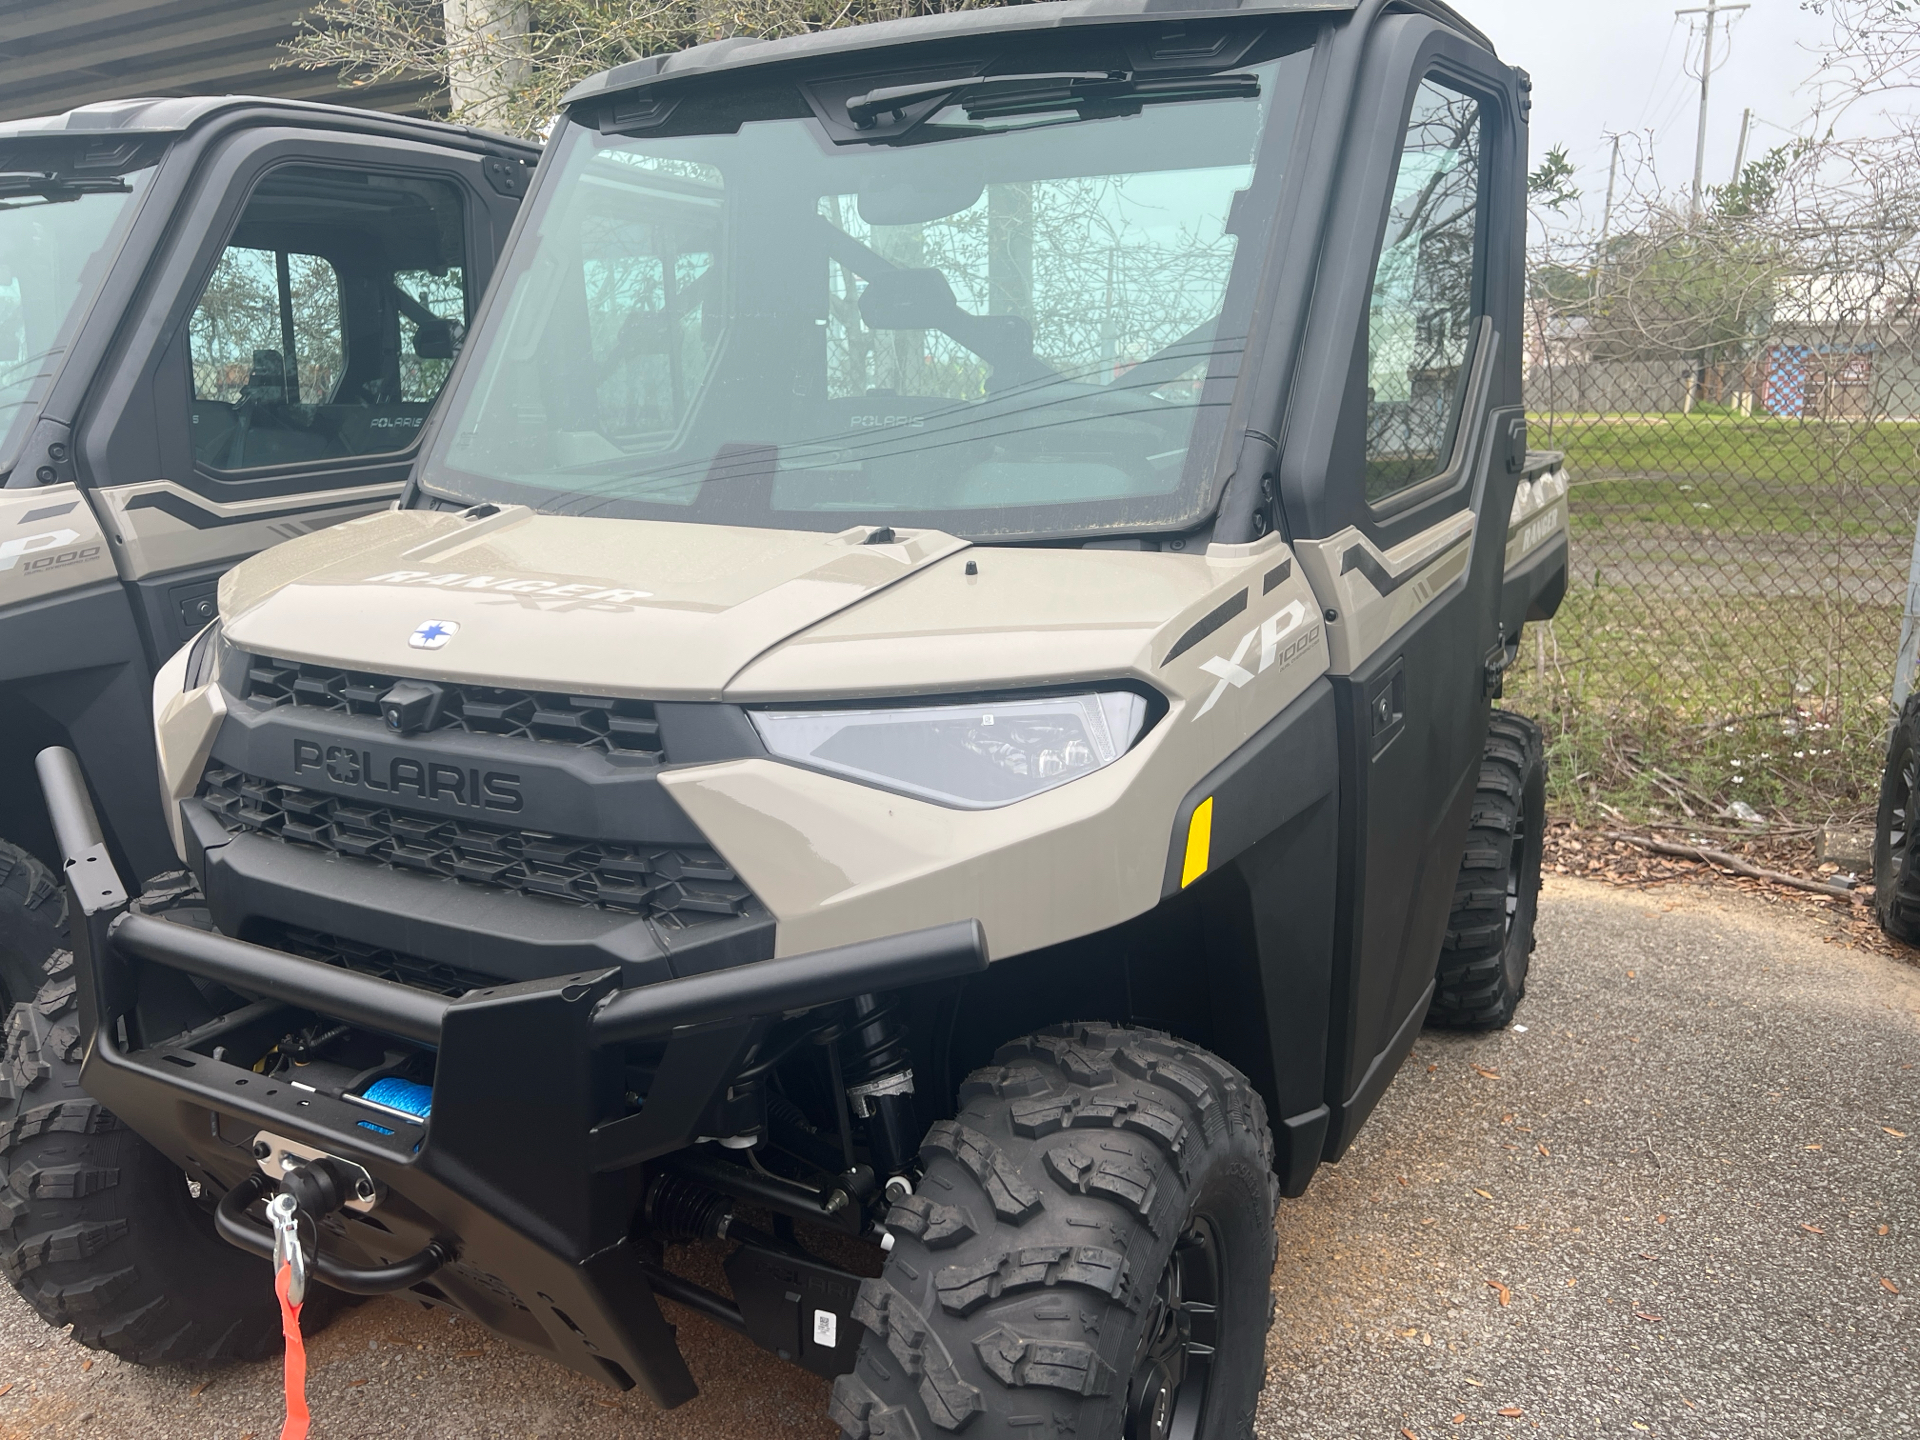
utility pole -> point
(1740, 155)
(1713, 10)
(1606, 218)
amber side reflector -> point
(1199, 842)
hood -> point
(665, 610)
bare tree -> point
(506, 63)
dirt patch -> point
(1586, 852)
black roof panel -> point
(743, 52)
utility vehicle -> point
(926, 720)
(222, 322)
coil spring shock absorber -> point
(677, 1210)
(874, 1062)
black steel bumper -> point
(514, 1200)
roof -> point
(741, 52)
(1009, 19)
(57, 54)
(175, 115)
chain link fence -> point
(1742, 441)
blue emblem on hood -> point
(434, 634)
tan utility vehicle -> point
(934, 682)
(222, 322)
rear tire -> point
(33, 923)
(1092, 1247)
(1896, 888)
(98, 1230)
(1483, 963)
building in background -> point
(59, 54)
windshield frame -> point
(55, 155)
(1213, 443)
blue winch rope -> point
(402, 1095)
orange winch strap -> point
(296, 1364)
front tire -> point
(1090, 1253)
(98, 1230)
(1483, 962)
(1896, 888)
(33, 923)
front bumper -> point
(523, 1183)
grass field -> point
(1735, 605)
(1720, 444)
(1655, 703)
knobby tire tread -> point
(1482, 974)
(1024, 1265)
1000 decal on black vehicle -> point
(986, 546)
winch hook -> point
(283, 1212)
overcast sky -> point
(1630, 65)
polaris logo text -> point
(1270, 632)
(428, 779)
(508, 585)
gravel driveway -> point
(1681, 1201)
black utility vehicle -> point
(926, 718)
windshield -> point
(1016, 315)
(57, 237)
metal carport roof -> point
(58, 54)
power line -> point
(1712, 10)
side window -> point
(267, 321)
(439, 310)
(1422, 313)
(330, 320)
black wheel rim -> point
(1173, 1369)
(1517, 867)
(1897, 817)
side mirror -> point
(908, 300)
(438, 339)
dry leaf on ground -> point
(1889, 1286)
(1490, 1074)
(1512, 1412)
(1502, 1291)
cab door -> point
(1397, 474)
(283, 362)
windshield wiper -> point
(992, 96)
(46, 185)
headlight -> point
(975, 756)
(203, 658)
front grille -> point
(678, 886)
(593, 722)
(381, 964)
